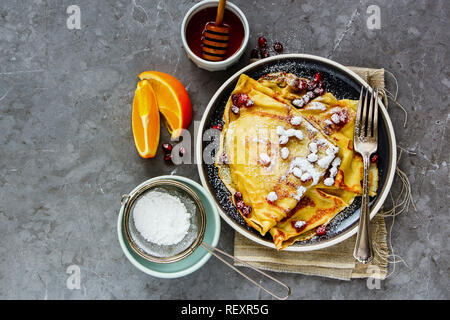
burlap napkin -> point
(334, 262)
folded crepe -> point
(295, 168)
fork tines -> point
(366, 121)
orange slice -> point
(173, 100)
(145, 120)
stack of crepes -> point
(288, 190)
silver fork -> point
(365, 141)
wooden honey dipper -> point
(216, 36)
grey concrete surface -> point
(67, 150)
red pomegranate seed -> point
(321, 230)
(310, 95)
(238, 196)
(319, 91)
(278, 47)
(302, 85)
(167, 147)
(246, 211)
(262, 42)
(318, 77)
(242, 100)
(235, 98)
(240, 204)
(218, 126)
(322, 85)
(264, 53)
(312, 85)
(374, 158)
(254, 54)
(298, 227)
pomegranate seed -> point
(240, 204)
(238, 196)
(246, 211)
(167, 147)
(322, 85)
(234, 109)
(235, 98)
(182, 151)
(242, 100)
(312, 85)
(254, 54)
(278, 47)
(298, 226)
(319, 91)
(318, 77)
(374, 158)
(321, 230)
(310, 95)
(302, 85)
(262, 42)
(264, 53)
(218, 126)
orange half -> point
(145, 120)
(173, 100)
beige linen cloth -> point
(334, 262)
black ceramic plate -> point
(344, 84)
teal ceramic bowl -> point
(192, 262)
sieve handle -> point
(215, 252)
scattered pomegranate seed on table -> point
(218, 126)
(278, 47)
(264, 53)
(262, 42)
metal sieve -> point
(192, 240)
(165, 253)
